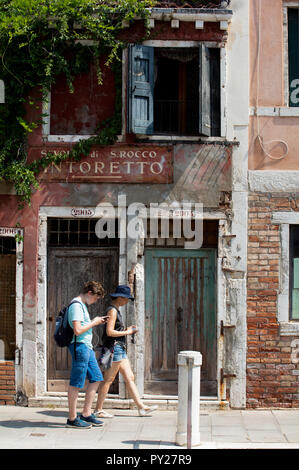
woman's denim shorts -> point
(84, 366)
(119, 353)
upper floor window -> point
(174, 91)
(293, 55)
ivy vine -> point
(36, 39)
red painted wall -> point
(81, 111)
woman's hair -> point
(94, 287)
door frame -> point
(41, 349)
(19, 353)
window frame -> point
(179, 44)
(288, 326)
(291, 110)
(291, 274)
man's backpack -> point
(64, 333)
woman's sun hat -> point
(122, 291)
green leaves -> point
(40, 39)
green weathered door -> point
(180, 306)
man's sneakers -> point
(92, 420)
(147, 411)
(77, 423)
(84, 422)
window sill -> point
(276, 111)
(178, 138)
(70, 138)
(289, 328)
(139, 138)
(65, 138)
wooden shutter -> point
(293, 53)
(204, 91)
(140, 89)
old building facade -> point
(193, 103)
(272, 315)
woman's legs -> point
(127, 373)
(109, 376)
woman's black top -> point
(109, 341)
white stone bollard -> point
(189, 363)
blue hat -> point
(122, 291)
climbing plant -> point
(37, 38)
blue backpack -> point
(64, 333)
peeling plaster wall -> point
(213, 174)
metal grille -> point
(78, 232)
(200, 4)
(210, 235)
(7, 245)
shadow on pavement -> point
(22, 423)
(137, 443)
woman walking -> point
(115, 335)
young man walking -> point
(84, 363)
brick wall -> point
(272, 377)
(7, 383)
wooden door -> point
(68, 270)
(180, 293)
(7, 306)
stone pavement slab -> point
(44, 428)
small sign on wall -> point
(8, 231)
(75, 212)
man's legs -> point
(72, 400)
(89, 396)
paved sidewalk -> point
(44, 428)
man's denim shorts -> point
(119, 353)
(84, 366)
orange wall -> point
(267, 90)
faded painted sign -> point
(125, 164)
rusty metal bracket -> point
(222, 326)
(225, 376)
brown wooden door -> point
(68, 270)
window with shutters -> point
(293, 56)
(174, 91)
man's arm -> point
(79, 329)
